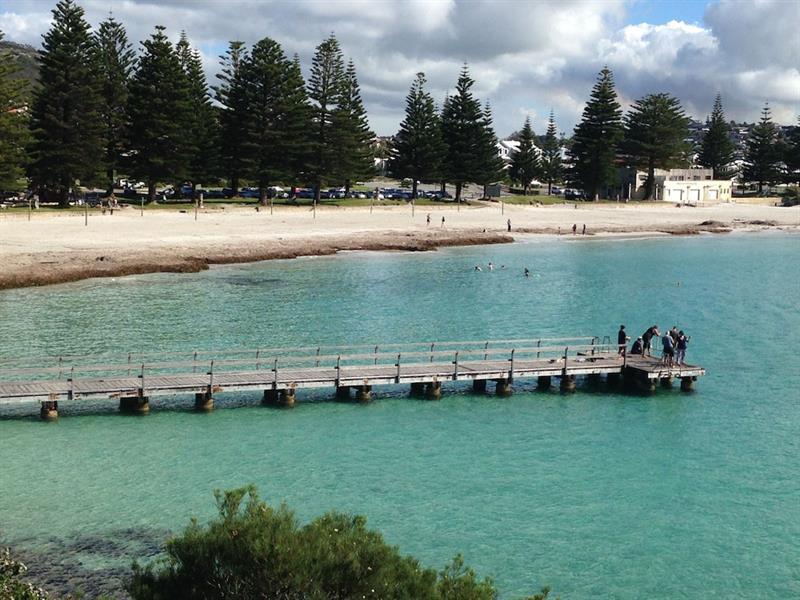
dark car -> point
(304, 193)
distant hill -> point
(25, 57)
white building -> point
(506, 149)
(680, 186)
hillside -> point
(25, 57)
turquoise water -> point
(597, 495)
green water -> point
(597, 495)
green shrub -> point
(252, 550)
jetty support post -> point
(686, 383)
(567, 384)
(418, 389)
(666, 382)
(204, 401)
(364, 393)
(49, 410)
(594, 379)
(612, 379)
(433, 390)
(543, 382)
(343, 392)
(270, 397)
(287, 397)
(478, 386)
(503, 387)
(137, 403)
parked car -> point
(574, 195)
(213, 194)
(555, 190)
(304, 193)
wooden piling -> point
(364, 393)
(287, 398)
(543, 382)
(49, 410)
(418, 389)
(270, 397)
(343, 392)
(666, 382)
(204, 401)
(567, 384)
(686, 384)
(503, 387)
(478, 386)
(134, 405)
(433, 390)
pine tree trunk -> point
(262, 193)
(549, 188)
(317, 190)
(347, 188)
(443, 188)
(414, 189)
(235, 185)
(458, 192)
(151, 191)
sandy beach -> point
(55, 248)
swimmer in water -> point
(527, 272)
(477, 268)
(491, 267)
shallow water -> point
(595, 494)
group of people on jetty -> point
(673, 343)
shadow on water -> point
(94, 564)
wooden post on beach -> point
(196, 204)
(141, 206)
(85, 213)
(502, 207)
(29, 208)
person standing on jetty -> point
(622, 340)
(669, 349)
(647, 338)
(680, 355)
(637, 346)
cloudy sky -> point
(526, 56)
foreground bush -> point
(255, 551)
(11, 585)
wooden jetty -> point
(346, 370)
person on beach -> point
(509, 225)
(442, 222)
(637, 346)
(647, 338)
(622, 340)
(668, 353)
(584, 229)
(680, 355)
(574, 228)
(428, 220)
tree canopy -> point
(717, 151)
(66, 114)
(525, 161)
(13, 125)
(160, 114)
(468, 136)
(117, 60)
(551, 168)
(233, 113)
(656, 130)
(762, 153)
(417, 149)
(594, 143)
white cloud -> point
(526, 57)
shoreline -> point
(59, 248)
